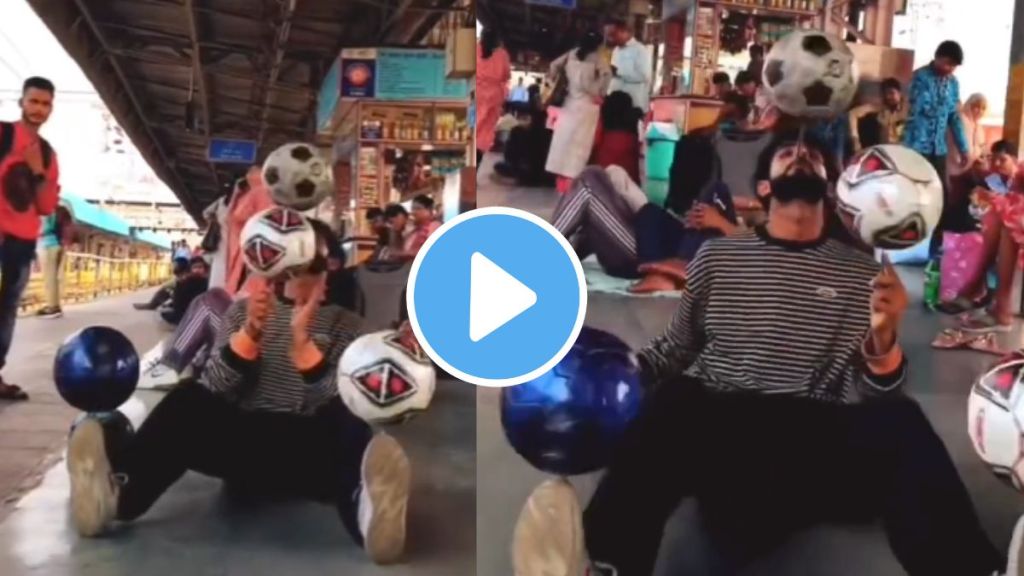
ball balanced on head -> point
(298, 176)
(277, 242)
(569, 420)
(811, 74)
(96, 369)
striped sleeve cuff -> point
(310, 362)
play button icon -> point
(496, 297)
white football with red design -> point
(278, 242)
(890, 197)
(995, 419)
(384, 379)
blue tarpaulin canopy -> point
(88, 214)
(94, 216)
(154, 238)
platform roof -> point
(252, 69)
(547, 30)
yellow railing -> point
(88, 277)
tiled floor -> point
(940, 382)
(194, 529)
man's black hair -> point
(39, 83)
(756, 51)
(892, 84)
(374, 213)
(616, 22)
(738, 101)
(720, 78)
(424, 201)
(1004, 147)
(198, 260)
(744, 77)
(951, 50)
(618, 113)
(327, 236)
(395, 210)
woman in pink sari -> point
(250, 198)
(493, 73)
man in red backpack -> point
(28, 190)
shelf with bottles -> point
(804, 8)
(409, 124)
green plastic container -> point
(657, 192)
(659, 158)
(932, 279)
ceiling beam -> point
(280, 42)
(200, 77)
(136, 104)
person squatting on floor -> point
(265, 416)
(776, 401)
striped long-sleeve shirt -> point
(271, 382)
(767, 316)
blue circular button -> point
(496, 297)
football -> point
(298, 176)
(811, 74)
(890, 197)
(384, 380)
(278, 242)
(995, 419)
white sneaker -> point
(384, 498)
(158, 377)
(1015, 555)
(548, 539)
(94, 490)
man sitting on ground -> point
(266, 416)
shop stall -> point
(401, 125)
(715, 36)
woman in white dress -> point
(588, 76)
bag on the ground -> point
(962, 256)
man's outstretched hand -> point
(888, 305)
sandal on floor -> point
(12, 392)
(653, 283)
(988, 345)
(984, 324)
(951, 339)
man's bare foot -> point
(654, 282)
(673, 268)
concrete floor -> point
(194, 529)
(940, 381)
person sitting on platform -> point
(607, 215)
(411, 233)
(266, 416)
(180, 268)
(184, 354)
(775, 399)
(186, 289)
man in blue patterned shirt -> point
(935, 110)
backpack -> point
(7, 143)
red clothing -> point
(25, 225)
(419, 236)
(620, 149)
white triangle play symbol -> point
(495, 297)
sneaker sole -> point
(1014, 564)
(548, 538)
(93, 502)
(386, 480)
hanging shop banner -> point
(330, 93)
(399, 74)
